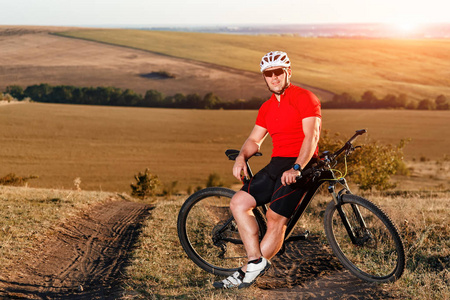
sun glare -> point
(405, 26)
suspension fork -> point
(355, 207)
(337, 198)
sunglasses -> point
(270, 73)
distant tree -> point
(210, 101)
(115, 96)
(38, 92)
(176, 101)
(77, 96)
(16, 91)
(344, 100)
(411, 104)
(90, 95)
(193, 101)
(389, 100)
(401, 101)
(426, 104)
(236, 104)
(153, 98)
(254, 103)
(102, 96)
(369, 100)
(130, 98)
(61, 94)
(441, 103)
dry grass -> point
(27, 215)
(421, 218)
(106, 146)
(418, 68)
(160, 268)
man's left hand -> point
(290, 177)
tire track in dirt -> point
(309, 270)
(84, 257)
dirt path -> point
(309, 270)
(83, 259)
(85, 256)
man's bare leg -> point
(273, 239)
(242, 205)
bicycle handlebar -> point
(348, 144)
(331, 157)
(232, 153)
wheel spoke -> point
(213, 234)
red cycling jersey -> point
(283, 120)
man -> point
(292, 117)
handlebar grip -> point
(305, 173)
(361, 131)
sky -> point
(219, 12)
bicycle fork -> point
(337, 198)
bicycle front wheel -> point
(209, 233)
(364, 239)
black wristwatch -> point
(297, 167)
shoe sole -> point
(246, 285)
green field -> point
(106, 146)
(418, 68)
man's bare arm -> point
(311, 129)
(249, 148)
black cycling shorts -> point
(266, 187)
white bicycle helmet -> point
(275, 59)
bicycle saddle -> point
(233, 153)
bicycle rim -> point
(378, 254)
(209, 234)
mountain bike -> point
(360, 234)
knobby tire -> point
(378, 254)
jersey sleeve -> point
(309, 106)
(261, 118)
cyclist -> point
(292, 117)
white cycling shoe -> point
(254, 270)
(231, 281)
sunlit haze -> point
(403, 13)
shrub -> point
(372, 165)
(170, 190)
(15, 90)
(442, 103)
(426, 104)
(13, 180)
(146, 184)
(214, 180)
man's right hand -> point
(239, 167)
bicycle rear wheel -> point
(376, 254)
(209, 233)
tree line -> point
(369, 101)
(152, 98)
(119, 97)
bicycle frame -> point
(319, 177)
(326, 177)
